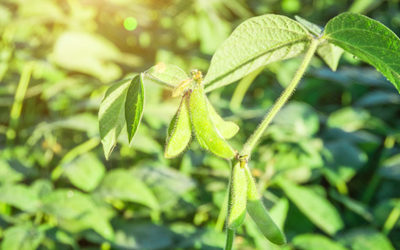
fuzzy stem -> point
(230, 233)
(255, 137)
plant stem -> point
(230, 235)
(242, 88)
(18, 101)
(255, 137)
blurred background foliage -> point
(328, 167)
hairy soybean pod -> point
(259, 214)
(206, 133)
(227, 129)
(238, 197)
(179, 131)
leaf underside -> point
(111, 116)
(256, 42)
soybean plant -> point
(253, 44)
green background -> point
(328, 167)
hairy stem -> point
(230, 233)
(255, 137)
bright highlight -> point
(130, 23)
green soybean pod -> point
(179, 131)
(238, 197)
(206, 133)
(259, 214)
(227, 129)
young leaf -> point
(134, 105)
(259, 214)
(205, 131)
(111, 115)
(312, 27)
(227, 129)
(330, 53)
(238, 197)
(368, 40)
(256, 42)
(167, 74)
(327, 51)
(179, 131)
(315, 207)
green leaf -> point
(167, 184)
(134, 105)
(327, 51)
(227, 129)
(85, 172)
(112, 116)
(312, 27)
(368, 40)
(167, 74)
(330, 53)
(316, 242)
(317, 208)
(76, 211)
(390, 168)
(353, 205)
(179, 131)
(238, 196)
(256, 42)
(19, 196)
(121, 184)
(212, 31)
(349, 119)
(134, 234)
(206, 133)
(259, 214)
(22, 237)
(96, 55)
(365, 239)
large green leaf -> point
(316, 242)
(167, 184)
(369, 40)
(317, 208)
(256, 42)
(133, 234)
(134, 105)
(19, 196)
(112, 115)
(22, 237)
(76, 211)
(85, 172)
(95, 53)
(365, 239)
(121, 184)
